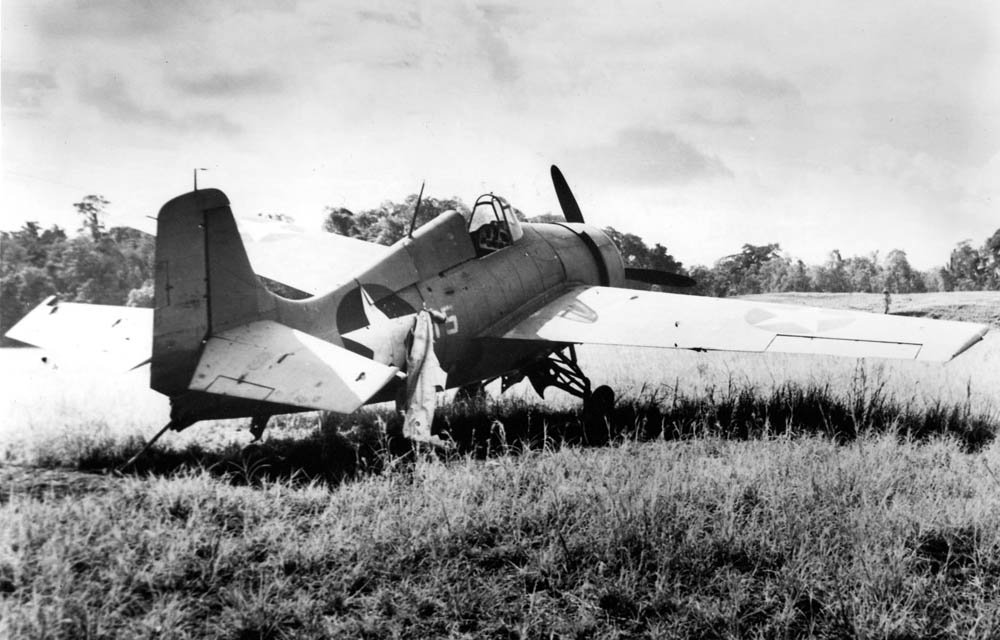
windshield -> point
(491, 209)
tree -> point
(391, 220)
(863, 273)
(966, 270)
(636, 254)
(708, 282)
(991, 253)
(142, 296)
(94, 272)
(798, 278)
(743, 273)
(92, 210)
(773, 275)
(659, 258)
(832, 275)
(898, 276)
(27, 270)
(30, 243)
(340, 221)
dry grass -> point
(50, 407)
(48, 412)
(702, 538)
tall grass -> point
(332, 448)
(72, 413)
(781, 537)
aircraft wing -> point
(117, 334)
(313, 263)
(268, 361)
(612, 316)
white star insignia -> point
(385, 336)
(807, 321)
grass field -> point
(701, 538)
(737, 496)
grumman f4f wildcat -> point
(459, 301)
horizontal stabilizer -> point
(121, 335)
(313, 263)
(605, 315)
(268, 361)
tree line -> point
(115, 265)
(765, 269)
(754, 269)
(96, 264)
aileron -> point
(606, 315)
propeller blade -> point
(663, 278)
(566, 200)
(573, 214)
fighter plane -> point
(460, 300)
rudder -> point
(204, 284)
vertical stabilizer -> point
(204, 284)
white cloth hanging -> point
(424, 379)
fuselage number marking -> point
(450, 322)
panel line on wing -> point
(225, 385)
(790, 343)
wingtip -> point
(971, 342)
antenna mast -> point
(196, 176)
(416, 210)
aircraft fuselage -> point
(439, 268)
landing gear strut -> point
(257, 425)
(472, 392)
(561, 370)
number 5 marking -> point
(450, 320)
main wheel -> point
(597, 411)
(601, 402)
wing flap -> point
(121, 335)
(606, 315)
(844, 347)
(265, 360)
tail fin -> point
(204, 284)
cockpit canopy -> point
(493, 224)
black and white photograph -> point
(499, 319)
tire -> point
(601, 402)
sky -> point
(857, 126)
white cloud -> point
(648, 156)
(715, 124)
(24, 92)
